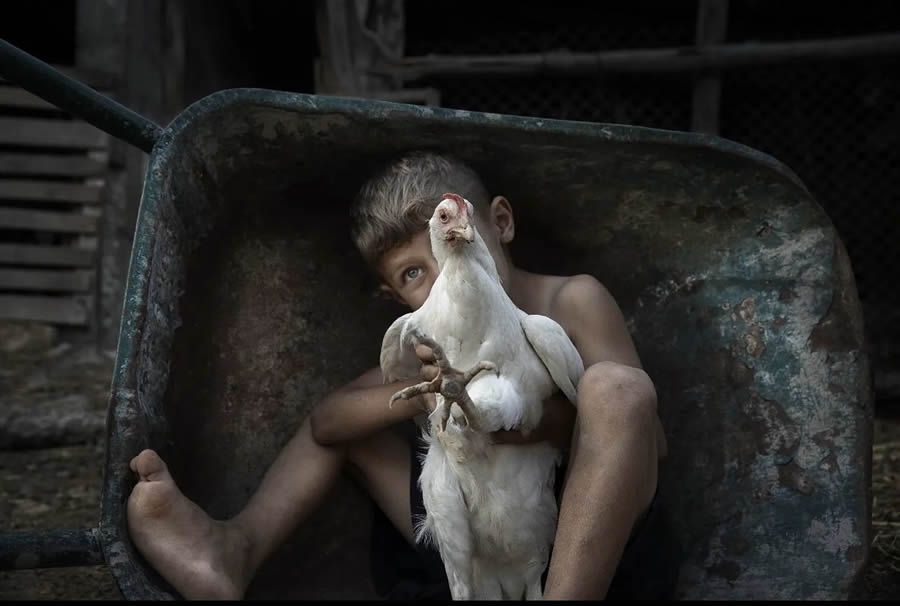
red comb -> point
(459, 202)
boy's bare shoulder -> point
(576, 294)
(589, 313)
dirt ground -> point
(58, 487)
(46, 489)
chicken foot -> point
(449, 383)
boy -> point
(617, 440)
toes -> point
(489, 366)
(149, 466)
(459, 416)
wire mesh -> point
(835, 123)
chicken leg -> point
(449, 383)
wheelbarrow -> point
(246, 303)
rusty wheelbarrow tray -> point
(246, 303)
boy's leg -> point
(382, 463)
(204, 558)
(610, 482)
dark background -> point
(836, 123)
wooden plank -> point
(34, 254)
(352, 38)
(45, 280)
(712, 24)
(47, 191)
(55, 310)
(77, 223)
(51, 133)
(644, 60)
(13, 96)
(48, 164)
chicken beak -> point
(465, 233)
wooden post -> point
(712, 23)
(355, 37)
(100, 39)
(142, 42)
(352, 37)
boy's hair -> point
(397, 202)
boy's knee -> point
(617, 398)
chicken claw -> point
(449, 382)
(439, 417)
(432, 386)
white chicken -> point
(490, 508)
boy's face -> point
(409, 270)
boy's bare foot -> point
(201, 557)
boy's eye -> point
(412, 273)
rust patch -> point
(753, 341)
(833, 331)
(791, 475)
(772, 428)
(747, 309)
(829, 463)
(825, 440)
(837, 330)
(779, 322)
(786, 295)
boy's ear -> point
(501, 216)
(386, 292)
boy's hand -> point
(429, 372)
(556, 423)
(429, 368)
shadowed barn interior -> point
(247, 302)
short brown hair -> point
(397, 202)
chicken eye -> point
(443, 216)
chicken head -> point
(452, 219)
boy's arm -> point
(555, 426)
(360, 409)
(596, 325)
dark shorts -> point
(648, 569)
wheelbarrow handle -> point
(76, 98)
(49, 549)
